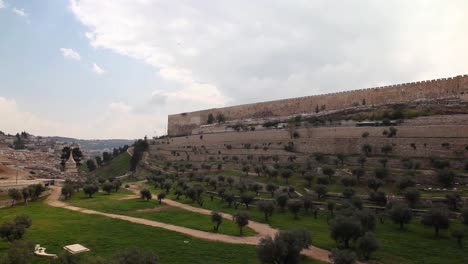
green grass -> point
(113, 204)
(192, 220)
(416, 244)
(116, 167)
(54, 228)
(110, 203)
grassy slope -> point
(111, 204)
(54, 228)
(116, 167)
(416, 244)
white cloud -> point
(116, 121)
(70, 53)
(20, 12)
(2, 4)
(120, 107)
(230, 52)
(98, 69)
(275, 49)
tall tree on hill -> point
(106, 156)
(98, 161)
(76, 152)
(139, 147)
(115, 152)
(18, 143)
(91, 165)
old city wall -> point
(450, 141)
(456, 87)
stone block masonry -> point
(446, 88)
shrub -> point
(374, 183)
(285, 247)
(348, 181)
(405, 182)
(217, 219)
(342, 256)
(294, 207)
(412, 196)
(145, 194)
(380, 198)
(367, 244)
(242, 219)
(400, 214)
(267, 208)
(437, 218)
(446, 177)
(321, 190)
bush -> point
(381, 173)
(367, 244)
(374, 184)
(90, 189)
(107, 187)
(340, 256)
(19, 252)
(348, 181)
(321, 190)
(344, 229)
(401, 214)
(405, 182)
(437, 218)
(348, 192)
(285, 247)
(380, 198)
(412, 196)
(323, 180)
(267, 208)
(446, 177)
(242, 219)
(145, 194)
(464, 216)
(294, 207)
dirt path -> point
(261, 229)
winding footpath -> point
(262, 230)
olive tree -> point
(284, 247)
(145, 194)
(90, 189)
(294, 207)
(367, 244)
(400, 214)
(267, 208)
(217, 219)
(242, 219)
(438, 218)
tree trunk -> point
(437, 231)
(401, 225)
(346, 243)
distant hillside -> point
(96, 144)
(118, 166)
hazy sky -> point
(115, 68)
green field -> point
(416, 244)
(118, 166)
(54, 228)
(132, 207)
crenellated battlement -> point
(452, 87)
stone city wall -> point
(455, 87)
(422, 141)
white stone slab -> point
(75, 248)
